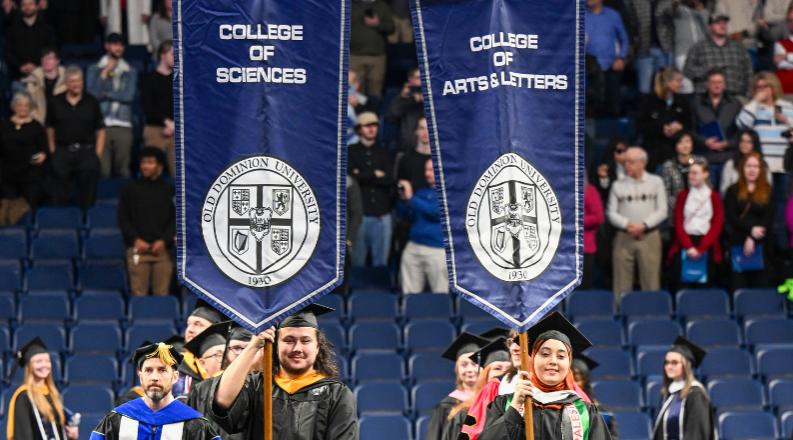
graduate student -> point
(191, 371)
(309, 401)
(36, 411)
(157, 412)
(558, 411)
(466, 371)
(581, 367)
(686, 413)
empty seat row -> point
(60, 275)
(61, 243)
(71, 217)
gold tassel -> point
(164, 353)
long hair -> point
(513, 370)
(326, 363)
(481, 381)
(770, 79)
(40, 400)
(762, 188)
(663, 76)
(689, 375)
(756, 147)
(586, 383)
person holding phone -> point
(371, 23)
(770, 116)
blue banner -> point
(504, 98)
(260, 92)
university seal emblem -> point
(513, 220)
(260, 221)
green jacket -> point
(366, 40)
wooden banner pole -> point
(528, 415)
(267, 373)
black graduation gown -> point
(438, 418)
(324, 410)
(697, 414)
(200, 399)
(454, 426)
(22, 423)
(130, 395)
(614, 427)
(195, 427)
(507, 424)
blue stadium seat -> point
(786, 424)
(714, 333)
(102, 217)
(50, 275)
(53, 335)
(604, 333)
(381, 398)
(650, 360)
(10, 275)
(89, 423)
(55, 243)
(429, 335)
(427, 306)
(105, 244)
(653, 332)
(336, 335)
(188, 304)
(5, 343)
(652, 393)
(333, 301)
(344, 368)
(6, 398)
(768, 331)
(759, 302)
(421, 427)
(153, 331)
(614, 363)
(633, 425)
(370, 278)
(747, 425)
(377, 367)
(701, 303)
(88, 399)
(96, 338)
(780, 394)
(59, 217)
(590, 303)
(7, 307)
(467, 311)
(480, 326)
(373, 305)
(724, 395)
(91, 369)
(726, 362)
(99, 307)
(426, 395)
(775, 362)
(55, 360)
(375, 335)
(393, 427)
(13, 243)
(621, 395)
(103, 275)
(153, 307)
(425, 367)
(110, 188)
(646, 304)
(44, 308)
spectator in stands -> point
(76, 132)
(742, 26)
(690, 21)
(371, 22)
(613, 166)
(769, 115)
(637, 207)
(424, 258)
(411, 166)
(25, 40)
(114, 83)
(772, 24)
(23, 149)
(403, 22)
(783, 59)
(370, 164)
(35, 411)
(75, 20)
(593, 218)
(406, 109)
(361, 102)
(749, 142)
(716, 105)
(45, 82)
(595, 85)
(749, 211)
(698, 220)
(146, 216)
(581, 367)
(675, 170)
(719, 51)
(128, 18)
(156, 97)
(684, 397)
(662, 115)
(653, 38)
(605, 35)
(161, 27)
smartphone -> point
(778, 108)
(415, 89)
(36, 156)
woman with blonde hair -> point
(770, 116)
(36, 411)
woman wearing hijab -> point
(466, 371)
(685, 412)
(559, 412)
(36, 411)
(581, 367)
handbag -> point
(693, 271)
(742, 263)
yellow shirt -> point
(292, 386)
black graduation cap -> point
(22, 356)
(556, 326)
(176, 340)
(465, 343)
(145, 343)
(584, 363)
(239, 333)
(306, 317)
(204, 310)
(495, 332)
(495, 351)
(214, 335)
(691, 351)
(167, 354)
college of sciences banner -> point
(260, 91)
(504, 98)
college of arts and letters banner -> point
(504, 95)
(261, 103)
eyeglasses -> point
(236, 349)
(217, 356)
(511, 341)
(673, 363)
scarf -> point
(292, 386)
(541, 390)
